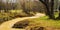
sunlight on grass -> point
(45, 22)
(11, 14)
(15, 11)
(56, 14)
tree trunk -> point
(59, 14)
(59, 10)
(46, 3)
(52, 10)
(47, 6)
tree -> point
(50, 8)
(59, 12)
(30, 7)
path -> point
(7, 25)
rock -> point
(21, 24)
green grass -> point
(51, 22)
(45, 22)
(11, 14)
(56, 14)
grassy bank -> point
(11, 14)
(45, 22)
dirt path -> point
(7, 25)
